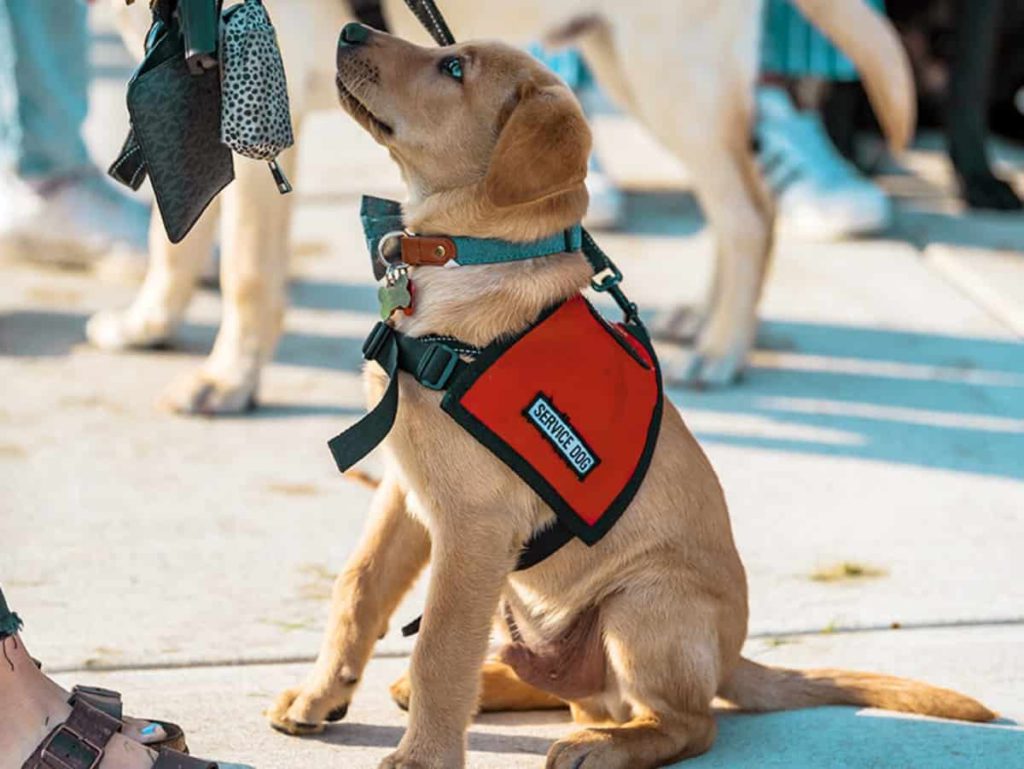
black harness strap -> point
(433, 364)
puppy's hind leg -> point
(665, 656)
(160, 305)
(501, 691)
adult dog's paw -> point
(700, 371)
(297, 714)
(117, 331)
(592, 749)
(679, 325)
(401, 691)
(202, 394)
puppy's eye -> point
(452, 66)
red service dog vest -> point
(573, 406)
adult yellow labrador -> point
(684, 68)
(643, 629)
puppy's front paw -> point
(203, 394)
(117, 331)
(591, 749)
(299, 714)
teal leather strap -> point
(383, 226)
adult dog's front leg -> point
(254, 267)
(470, 566)
(394, 550)
(160, 305)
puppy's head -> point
(481, 117)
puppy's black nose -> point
(353, 33)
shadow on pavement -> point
(661, 213)
(331, 295)
(377, 736)
(944, 402)
(954, 403)
(847, 738)
(35, 333)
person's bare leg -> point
(31, 706)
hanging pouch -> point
(256, 118)
(175, 131)
(573, 406)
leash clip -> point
(606, 279)
(383, 243)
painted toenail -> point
(148, 730)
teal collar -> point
(389, 242)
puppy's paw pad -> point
(199, 394)
(116, 332)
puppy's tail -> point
(870, 40)
(760, 688)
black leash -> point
(430, 17)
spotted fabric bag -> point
(256, 119)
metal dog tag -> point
(396, 293)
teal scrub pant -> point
(793, 48)
(44, 80)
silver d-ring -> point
(384, 241)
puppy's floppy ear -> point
(542, 149)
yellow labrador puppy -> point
(684, 68)
(645, 628)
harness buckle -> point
(436, 366)
(376, 340)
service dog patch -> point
(556, 427)
(573, 406)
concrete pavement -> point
(873, 459)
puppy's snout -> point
(353, 33)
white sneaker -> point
(76, 222)
(607, 204)
(818, 194)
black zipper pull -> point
(283, 186)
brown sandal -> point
(80, 742)
(109, 701)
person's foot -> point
(32, 706)
(78, 221)
(818, 194)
